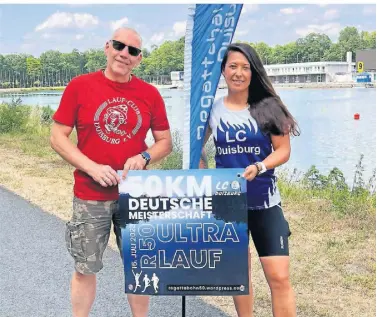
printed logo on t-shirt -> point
(232, 132)
(117, 120)
(233, 139)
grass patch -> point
(28, 128)
(330, 193)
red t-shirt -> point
(112, 120)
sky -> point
(36, 28)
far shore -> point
(61, 88)
(280, 86)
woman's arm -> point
(280, 155)
(282, 151)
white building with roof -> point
(312, 72)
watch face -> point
(146, 157)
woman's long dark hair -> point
(266, 106)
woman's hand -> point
(250, 172)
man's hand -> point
(250, 172)
(104, 175)
(133, 163)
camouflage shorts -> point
(88, 231)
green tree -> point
(313, 47)
(140, 70)
(290, 52)
(145, 53)
(368, 39)
(95, 60)
(73, 62)
(51, 61)
(166, 58)
(33, 66)
(14, 70)
(33, 71)
(56, 68)
(278, 55)
(263, 50)
(3, 64)
(16, 62)
(349, 41)
(51, 68)
(334, 53)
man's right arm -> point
(203, 162)
(60, 142)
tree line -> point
(54, 68)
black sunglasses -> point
(119, 46)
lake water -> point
(330, 137)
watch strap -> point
(146, 157)
(260, 167)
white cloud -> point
(157, 38)
(46, 35)
(179, 28)
(79, 36)
(329, 29)
(322, 4)
(248, 8)
(63, 20)
(369, 10)
(118, 23)
(331, 14)
(288, 11)
(240, 32)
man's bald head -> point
(120, 62)
(124, 32)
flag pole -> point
(183, 306)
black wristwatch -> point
(145, 155)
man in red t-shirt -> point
(112, 112)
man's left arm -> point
(162, 146)
(161, 134)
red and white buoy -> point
(356, 116)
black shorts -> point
(269, 230)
